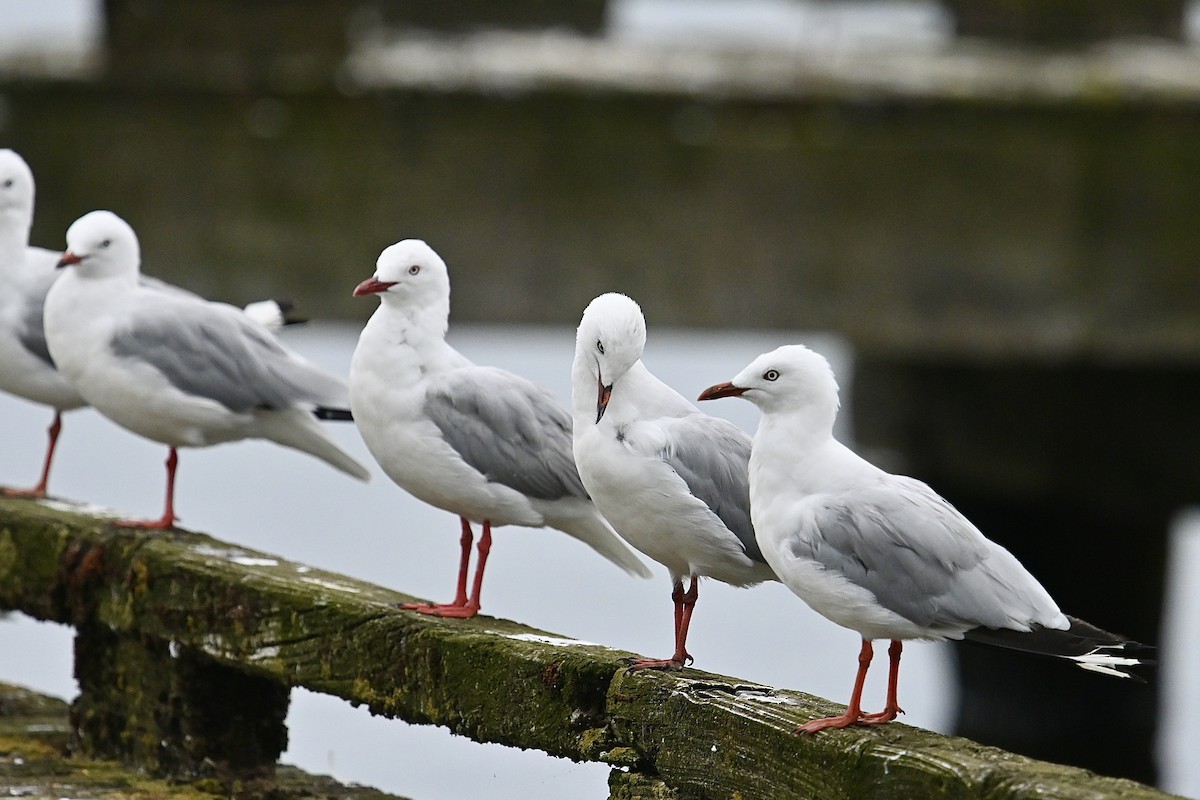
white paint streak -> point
(554, 640)
(78, 508)
(249, 561)
(337, 587)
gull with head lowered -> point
(883, 554)
(175, 368)
(479, 442)
(671, 480)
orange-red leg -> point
(685, 603)
(893, 705)
(40, 489)
(854, 710)
(168, 517)
(463, 606)
(854, 714)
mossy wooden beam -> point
(34, 763)
(675, 735)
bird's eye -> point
(771, 375)
(106, 243)
(600, 347)
(414, 269)
(8, 183)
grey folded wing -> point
(712, 457)
(508, 429)
(213, 350)
(31, 332)
(921, 558)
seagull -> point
(883, 554)
(671, 479)
(173, 367)
(476, 441)
(26, 274)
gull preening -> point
(173, 367)
(672, 480)
(883, 554)
(479, 442)
(26, 274)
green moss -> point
(620, 757)
(8, 553)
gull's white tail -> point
(298, 428)
(592, 529)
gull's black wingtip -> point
(333, 414)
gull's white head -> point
(101, 244)
(789, 379)
(16, 189)
(408, 274)
(610, 339)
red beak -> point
(603, 395)
(372, 286)
(725, 389)
(68, 258)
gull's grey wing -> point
(213, 350)
(508, 429)
(150, 282)
(713, 458)
(32, 334)
(920, 557)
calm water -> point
(268, 498)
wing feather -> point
(712, 457)
(507, 428)
(215, 351)
(923, 560)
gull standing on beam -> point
(882, 554)
(26, 274)
(175, 368)
(479, 442)
(671, 480)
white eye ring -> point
(106, 243)
(600, 346)
(771, 375)
(414, 269)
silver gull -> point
(26, 274)
(671, 479)
(883, 554)
(173, 367)
(476, 441)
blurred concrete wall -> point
(951, 226)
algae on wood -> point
(34, 763)
(689, 733)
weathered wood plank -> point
(701, 735)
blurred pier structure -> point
(1004, 223)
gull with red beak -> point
(479, 442)
(175, 368)
(882, 554)
(672, 480)
(26, 274)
